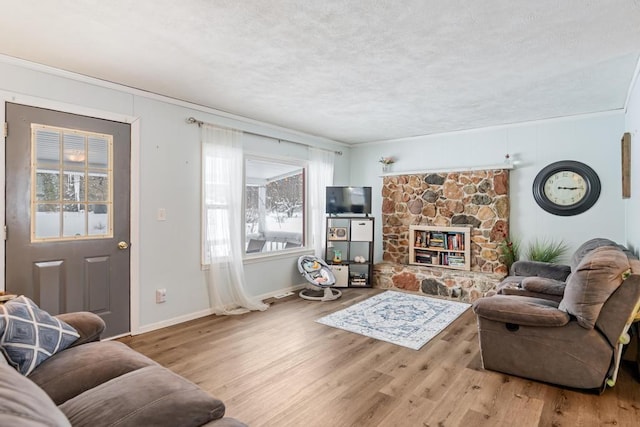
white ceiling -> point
(348, 70)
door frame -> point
(134, 279)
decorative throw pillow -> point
(29, 335)
(589, 286)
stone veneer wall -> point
(479, 199)
(459, 285)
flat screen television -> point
(348, 200)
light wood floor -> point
(280, 368)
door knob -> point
(123, 245)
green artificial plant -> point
(546, 250)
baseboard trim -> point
(281, 291)
(171, 322)
(202, 313)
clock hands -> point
(569, 188)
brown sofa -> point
(103, 383)
(573, 342)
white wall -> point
(167, 172)
(632, 125)
(592, 139)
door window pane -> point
(74, 185)
(98, 217)
(47, 147)
(74, 150)
(74, 221)
(98, 187)
(72, 172)
(47, 185)
(47, 221)
(98, 152)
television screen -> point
(352, 200)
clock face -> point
(566, 188)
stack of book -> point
(424, 258)
(359, 280)
(437, 240)
(456, 260)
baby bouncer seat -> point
(321, 279)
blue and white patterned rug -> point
(396, 317)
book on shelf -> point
(358, 281)
(423, 259)
(437, 239)
(454, 241)
(436, 242)
(456, 261)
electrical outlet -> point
(162, 214)
(161, 296)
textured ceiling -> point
(352, 71)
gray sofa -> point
(547, 280)
(103, 383)
(574, 342)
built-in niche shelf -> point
(446, 247)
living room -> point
(166, 174)
(166, 254)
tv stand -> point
(349, 250)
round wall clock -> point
(566, 188)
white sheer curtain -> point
(320, 177)
(222, 173)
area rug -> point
(404, 319)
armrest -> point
(541, 269)
(519, 310)
(543, 285)
(88, 325)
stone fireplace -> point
(478, 198)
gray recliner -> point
(547, 280)
(575, 342)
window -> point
(274, 205)
(71, 192)
(216, 208)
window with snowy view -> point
(274, 205)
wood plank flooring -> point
(281, 368)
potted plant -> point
(386, 163)
(510, 251)
(546, 250)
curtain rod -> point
(194, 121)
